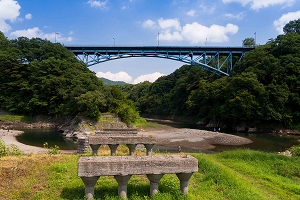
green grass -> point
(15, 118)
(142, 123)
(237, 174)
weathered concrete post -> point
(131, 148)
(149, 149)
(89, 183)
(82, 145)
(154, 181)
(95, 148)
(113, 149)
(122, 185)
(184, 181)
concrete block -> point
(126, 165)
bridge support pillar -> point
(148, 148)
(184, 181)
(95, 148)
(122, 185)
(113, 149)
(154, 181)
(89, 183)
(131, 148)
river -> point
(262, 142)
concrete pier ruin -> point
(123, 167)
(113, 142)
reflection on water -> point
(37, 137)
(262, 142)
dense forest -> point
(262, 90)
(42, 78)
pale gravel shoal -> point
(193, 138)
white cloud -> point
(9, 10)
(148, 77)
(191, 13)
(258, 4)
(284, 19)
(170, 36)
(28, 16)
(124, 7)
(169, 24)
(36, 32)
(123, 76)
(197, 33)
(149, 24)
(120, 76)
(205, 8)
(97, 4)
(237, 16)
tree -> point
(39, 77)
(292, 27)
(249, 42)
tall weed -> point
(11, 150)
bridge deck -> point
(170, 50)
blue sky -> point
(138, 22)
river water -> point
(37, 137)
(262, 142)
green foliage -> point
(249, 42)
(39, 77)
(11, 150)
(263, 88)
(52, 150)
(109, 82)
(292, 27)
(123, 107)
(295, 150)
(15, 118)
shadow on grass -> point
(104, 192)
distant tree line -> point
(40, 77)
(262, 89)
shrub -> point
(52, 150)
(11, 150)
(295, 150)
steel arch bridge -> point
(218, 60)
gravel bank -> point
(194, 139)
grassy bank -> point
(238, 174)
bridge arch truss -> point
(218, 60)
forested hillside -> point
(263, 89)
(40, 77)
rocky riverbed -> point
(193, 139)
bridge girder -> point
(218, 60)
